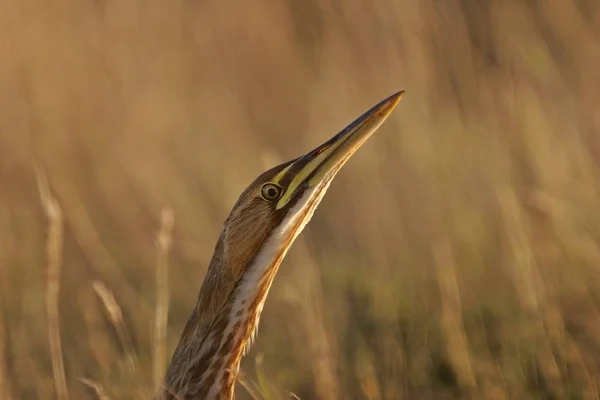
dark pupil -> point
(272, 192)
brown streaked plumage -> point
(260, 229)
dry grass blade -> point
(4, 382)
(162, 297)
(452, 318)
(250, 387)
(523, 266)
(5, 392)
(115, 315)
(262, 379)
(54, 244)
(95, 388)
(310, 309)
(366, 373)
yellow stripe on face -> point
(277, 178)
(297, 180)
(308, 169)
(328, 158)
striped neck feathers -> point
(206, 362)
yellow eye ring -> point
(271, 191)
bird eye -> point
(271, 191)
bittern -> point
(256, 235)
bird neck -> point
(206, 362)
(232, 335)
(206, 367)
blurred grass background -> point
(456, 255)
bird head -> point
(270, 214)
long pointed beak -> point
(326, 160)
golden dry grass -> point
(457, 255)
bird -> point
(262, 225)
